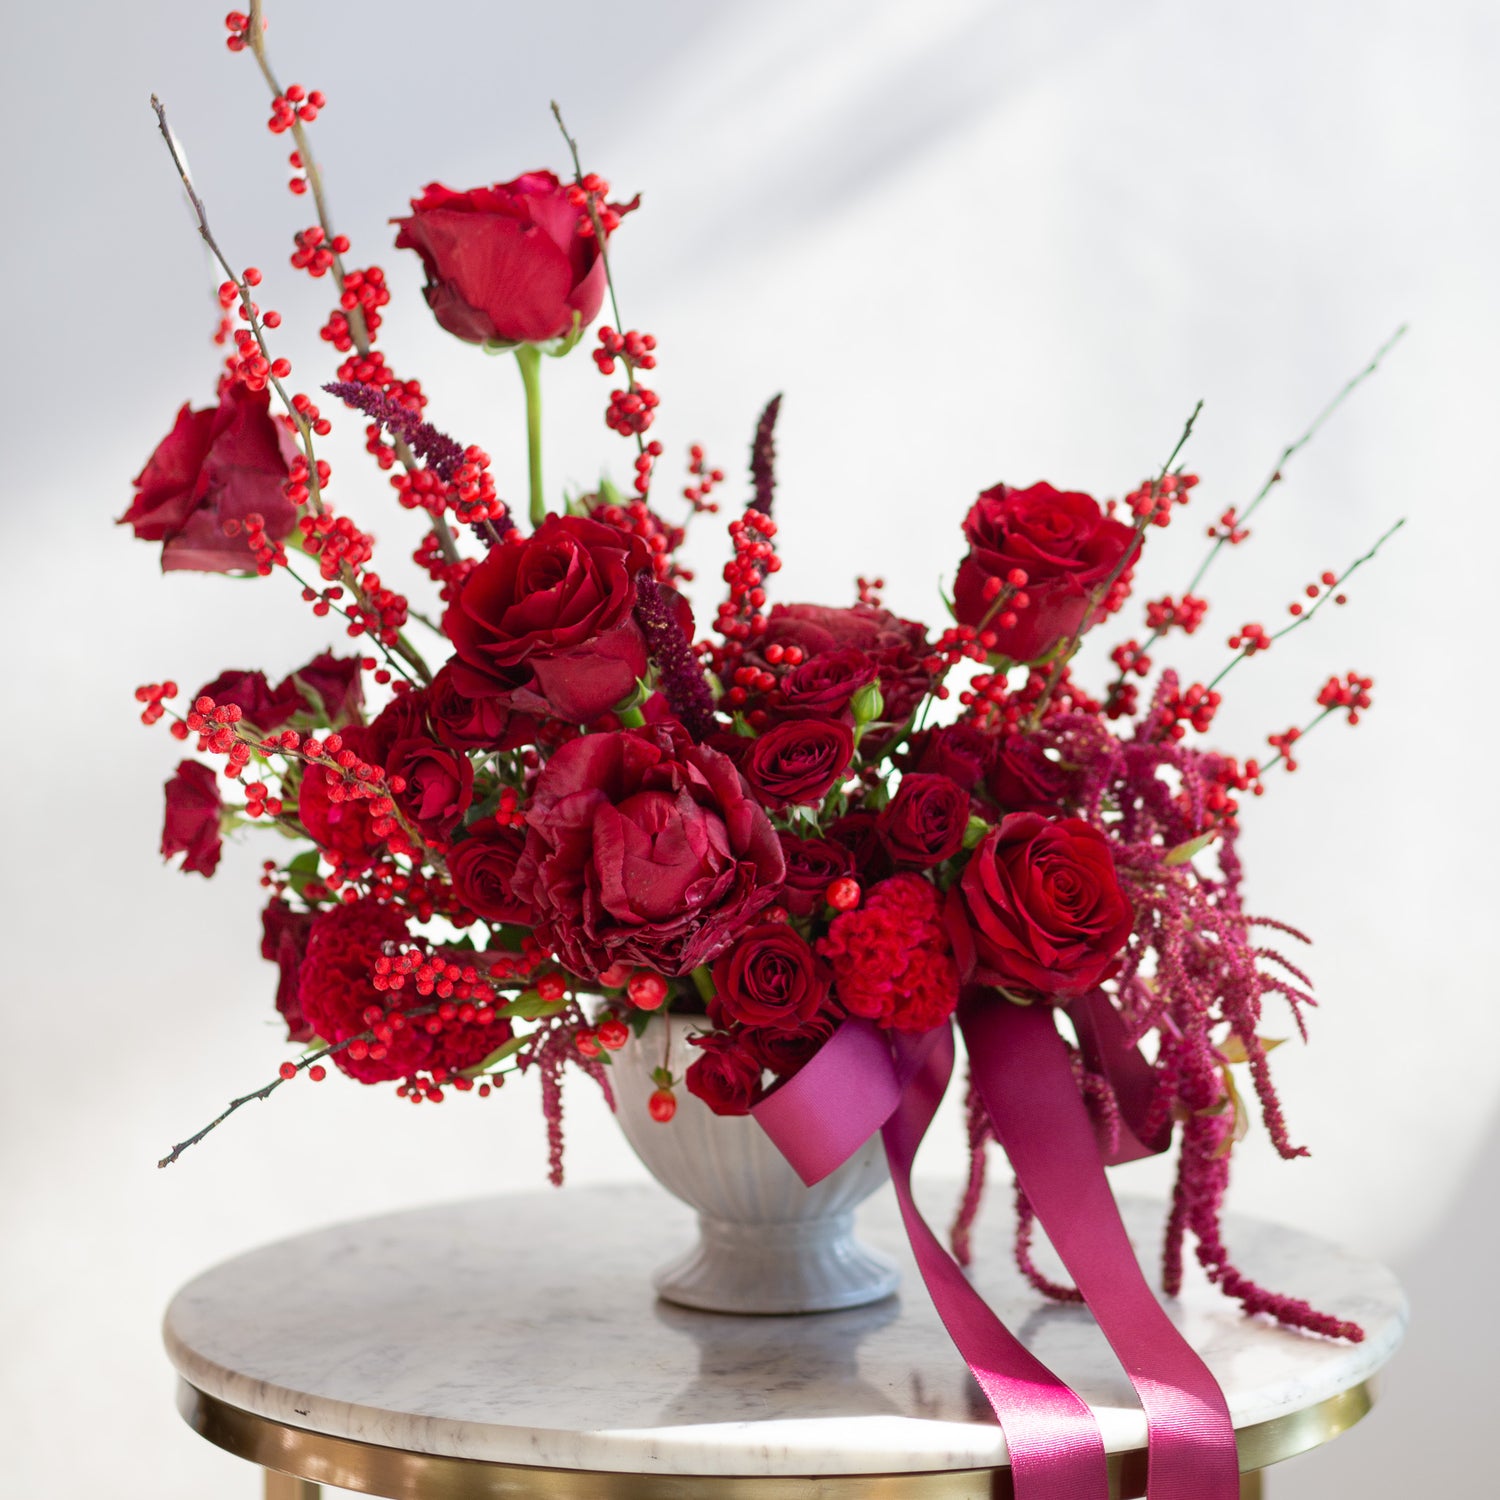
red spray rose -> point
(960, 752)
(284, 932)
(727, 1077)
(924, 823)
(822, 686)
(1045, 912)
(785, 1052)
(263, 708)
(644, 849)
(439, 782)
(891, 959)
(191, 825)
(216, 466)
(332, 683)
(482, 868)
(812, 865)
(1066, 546)
(545, 622)
(798, 761)
(1024, 778)
(771, 977)
(510, 263)
(464, 723)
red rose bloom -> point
(798, 761)
(960, 752)
(812, 865)
(1024, 778)
(771, 977)
(332, 683)
(545, 622)
(439, 782)
(483, 870)
(1066, 546)
(1045, 912)
(786, 1052)
(823, 686)
(263, 709)
(727, 1077)
(191, 825)
(510, 263)
(464, 723)
(215, 468)
(644, 849)
(890, 957)
(284, 941)
(924, 823)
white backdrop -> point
(970, 242)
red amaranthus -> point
(824, 812)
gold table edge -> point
(397, 1474)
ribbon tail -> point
(1107, 1050)
(1056, 1452)
(1022, 1071)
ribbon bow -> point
(864, 1079)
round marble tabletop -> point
(521, 1330)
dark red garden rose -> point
(341, 826)
(770, 977)
(1024, 778)
(1066, 546)
(891, 959)
(960, 752)
(545, 622)
(439, 782)
(464, 723)
(216, 467)
(644, 849)
(513, 262)
(786, 1052)
(332, 683)
(283, 940)
(191, 825)
(898, 648)
(726, 1077)
(822, 686)
(796, 762)
(1045, 912)
(859, 833)
(263, 708)
(482, 867)
(812, 865)
(924, 823)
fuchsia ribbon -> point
(863, 1079)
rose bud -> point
(727, 1077)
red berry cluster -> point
(1326, 580)
(739, 617)
(1250, 639)
(869, 590)
(365, 290)
(631, 412)
(662, 540)
(706, 480)
(588, 196)
(1282, 743)
(1228, 529)
(315, 251)
(214, 724)
(297, 103)
(1153, 501)
(1129, 656)
(1351, 692)
(154, 695)
(1193, 706)
(238, 26)
(634, 348)
(1186, 614)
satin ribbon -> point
(863, 1080)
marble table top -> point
(523, 1330)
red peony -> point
(770, 977)
(644, 849)
(545, 622)
(1045, 912)
(812, 865)
(796, 762)
(924, 823)
(283, 940)
(1066, 546)
(191, 825)
(214, 469)
(891, 959)
(727, 1076)
(512, 263)
(482, 867)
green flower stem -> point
(529, 358)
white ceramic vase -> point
(767, 1243)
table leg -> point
(289, 1487)
(1252, 1485)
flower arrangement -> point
(811, 822)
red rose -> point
(644, 849)
(891, 959)
(1045, 911)
(263, 709)
(771, 977)
(464, 723)
(859, 833)
(334, 684)
(924, 823)
(483, 870)
(786, 1052)
(284, 941)
(812, 865)
(439, 782)
(215, 468)
(798, 761)
(516, 262)
(191, 825)
(1024, 778)
(727, 1077)
(545, 622)
(822, 686)
(960, 752)
(1066, 546)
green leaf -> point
(504, 1050)
(1183, 852)
(531, 1007)
(302, 871)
